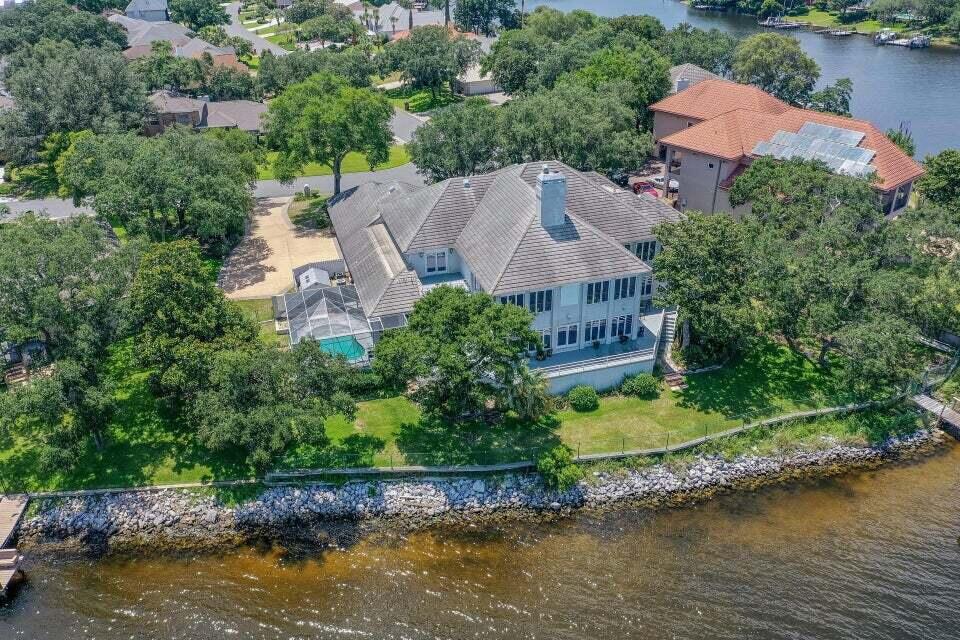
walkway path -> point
(236, 28)
(937, 408)
(11, 509)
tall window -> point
(545, 339)
(594, 330)
(540, 301)
(624, 288)
(621, 326)
(646, 251)
(514, 298)
(436, 262)
(646, 288)
(567, 335)
(598, 292)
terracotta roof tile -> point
(733, 135)
(712, 98)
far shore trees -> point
(322, 120)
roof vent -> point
(466, 183)
(392, 188)
(546, 169)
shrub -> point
(642, 385)
(558, 469)
(583, 398)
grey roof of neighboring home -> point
(146, 5)
(690, 72)
(493, 223)
(199, 46)
(243, 114)
(168, 102)
(141, 32)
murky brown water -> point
(872, 555)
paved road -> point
(404, 123)
(55, 208)
(236, 28)
(324, 184)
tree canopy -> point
(30, 22)
(178, 184)
(430, 57)
(83, 88)
(776, 64)
(482, 16)
(941, 183)
(322, 119)
(276, 73)
(460, 349)
(197, 14)
(460, 140)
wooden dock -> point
(947, 418)
(11, 510)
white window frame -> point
(565, 331)
(646, 287)
(438, 258)
(621, 326)
(646, 250)
(513, 298)
(598, 292)
(624, 288)
(540, 301)
(594, 330)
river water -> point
(891, 85)
(867, 555)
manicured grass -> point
(260, 311)
(767, 382)
(828, 19)
(285, 40)
(252, 62)
(299, 211)
(353, 163)
(145, 445)
(420, 100)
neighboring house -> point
(571, 247)
(171, 108)
(711, 132)
(383, 25)
(149, 10)
(141, 34)
(475, 83)
(684, 76)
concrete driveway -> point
(262, 264)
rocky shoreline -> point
(320, 513)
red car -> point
(645, 187)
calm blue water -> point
(891, 84)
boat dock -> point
(12, 509)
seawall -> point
(189, 519)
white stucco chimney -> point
(552, 197)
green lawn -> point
(770, 381)
(145, 445)
(820, 18)
(353, 163)
(420, 100)
(285, 40)
(260, 311)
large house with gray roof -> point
(572, 247)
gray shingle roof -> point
(141, 32)
(146, 5)
(385, 284)
(493, 223)
(243, 114)
(691, 73)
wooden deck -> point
(11, 510)
(937, 408)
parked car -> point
(645, 187)
(619, 177)
(658, 182)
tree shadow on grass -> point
(435, 442)
(767, 380)
(356, 450)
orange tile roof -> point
(712, 98)
(733, 134)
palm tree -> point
(408, 5)
(393, 23)
(529, 396)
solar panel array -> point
(835, 147)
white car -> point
(658, 182)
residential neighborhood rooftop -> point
(735, 119)
(492, 222)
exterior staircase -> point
(667, 334)
(15, 375)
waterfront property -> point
(711, 132)
(571, 247)
(684, 76)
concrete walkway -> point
(56, 208)
(236, 28)
(262, 264)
